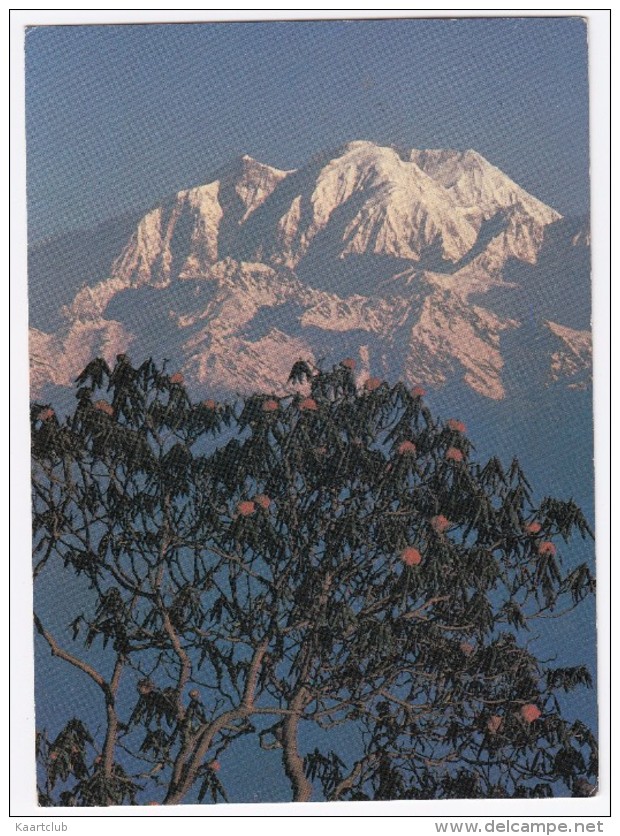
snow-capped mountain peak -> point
(473, 182)
(381, 253)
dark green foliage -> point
(249, 573)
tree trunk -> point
(109, 746)
(293, 761)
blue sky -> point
(120, 116)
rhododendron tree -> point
(277, 566)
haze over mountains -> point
(431, 266)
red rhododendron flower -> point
(215, 766)
(308, 405)
(411, 556)
(348, 363)
(456, 426)
(177, 377)
(418, 392)
(46, 414)
(210, 403)
(263, 500)
(453, 454)
(406, 447)
(533, 527)
(467, 648)
(530, 712)
(104, 406)
(372, 383)
(440, 523)
(494, 723)
(246, 508)
(270, 405)
(546, 548)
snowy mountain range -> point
(430, 266)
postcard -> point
(311, 411)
